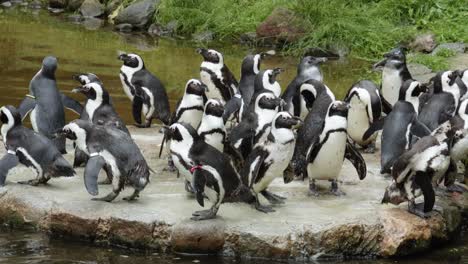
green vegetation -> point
(368, 28)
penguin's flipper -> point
(93, 167)
(353, 155)
(424, 182)
(309, 99)
(26, 106)
(71, 104)
(231, 107)
(386, 106)
(419, 129)
(374, 127)
(253, 165)
(136, 108)
(8, 162)
(199, 182)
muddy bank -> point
(303, 229)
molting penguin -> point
(400, 125)
(147, 93)
(110, 147)
(46, 103)
(216, 75)
(365, 107)
(327, 152)
(212, 128)
(394, 74)
(307, 69)
(30, 149)
(269, 160)
(415, 171)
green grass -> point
(367, 28)
(435, 63)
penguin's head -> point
(132, 60)
(286, 120)
(76, 129)
(10, 116)
(84, 78)
(181, 132)
(49, 66)
(339, 108)
(266, 79)
(267, 100)
(214, 107)
(272, 74)
(309, 66)
(412, 89)
(93, 91)
(211, 55)
(397, 54)
(195, 87)
(394, 195)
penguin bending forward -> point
(108, 146)
(329, 148)
(29, 148)
(267, 161)
(146, 92)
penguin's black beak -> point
(321, 60)
(76, 77)
(201, 51)
(277, 71)
(379, 65)
(122, 57)
(80, 89)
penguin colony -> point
(229, 140)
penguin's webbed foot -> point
(417, 209)
(313, 190)
(204, 215)
(273, 198)
(105, 181)
(188, 187)
(135, 194)
(335, 190)
(141, 125)
(263, 208)
(34, 182)
(108, 198)
(170, 166)
(369, 149)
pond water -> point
(26, 37)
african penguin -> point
(267, 161)
(327, 152)
(307, 69)
(463, 74)
(365, 107)
(400, 125)
(394, 74)
(212, 128)
(307, 97)
(216, 75)
(111, 147)
(85, 78)
(46, 103)
(146, 92)
(191, 106)
(29, 148)
(416, 170)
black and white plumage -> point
(145, 90)
(216, 75)
(212, 128)
(109, 147)
(85, 78)
(365, 107)
(214, 175)
(307, 69)
(46, 103)
(418, 169)
(30, 149)
(463, 74)
(191, 106)
(327, 152)
(268, 161)
(395, 73)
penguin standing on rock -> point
(268, 160)
(329, 148)
(110, 147)
(147, 93)
(46, 103)
(365, 107)
(212, 128)
(394, 74)
(307, 69)
(216, 75)
(30, 149)
(415, 172)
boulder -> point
(248, 38)
(282, 25)
(457, 47)
(58, 4)
(138, 14)
(91, 8)
(124, 27)
(36, 4)
(93, 23)
(74, 5)
(423, 43)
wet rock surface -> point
(354, 225)
(138, 14)
(91, 8)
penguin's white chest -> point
(91, 106)
(127, 89)
(208, 126)
(213, 91)
(329, 159)
(181, 149)
(391, 83)
(189, 114)
(358, 121)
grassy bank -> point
(367, 28)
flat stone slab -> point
(303, 229)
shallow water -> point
(25, 38)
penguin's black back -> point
(439, 108)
